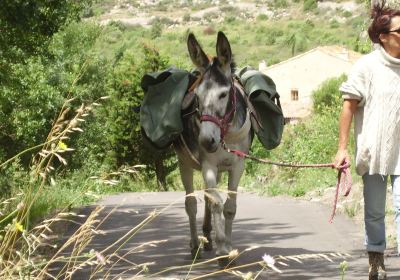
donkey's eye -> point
(222, 95)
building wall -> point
(305, 73)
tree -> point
(37, 88)
(26, 27)
(124, 133)
(34, 77)
(29, 24)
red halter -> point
(223, 123)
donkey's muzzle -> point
(210, 144)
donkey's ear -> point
(224, 52)
(199, 58)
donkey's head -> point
(215, 91)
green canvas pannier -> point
(264, 98)
(161, 116)
(160, 112)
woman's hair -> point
(381, 18)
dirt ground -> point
(297, 229)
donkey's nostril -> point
(209, 143)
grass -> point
(19, 236)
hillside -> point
(193, 13)
(258, 30)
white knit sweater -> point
(375, 81)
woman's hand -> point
(341, 157)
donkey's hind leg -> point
(190, 206)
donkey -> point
(221, 118)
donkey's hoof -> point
(208, 246)
(225, 262)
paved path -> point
(275, 226)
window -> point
(294, 94)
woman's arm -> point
(346, 117)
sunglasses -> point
(395, 31)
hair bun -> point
(378, 9)
(383, 20)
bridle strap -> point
(195, 84)
(199, 78)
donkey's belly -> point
(221, 159)
(225, 164)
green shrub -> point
(118, 24)
(210, 16)
(186, 17)
(362, 45)
(273, 60)
(310, 23)
(262, 17)
(88, 12)
(347, 14)
(268, 35)
(156, 29)
(309, 5)
(280, 4)
(166, 21)
(228, 9)
(334, 23)
(327, 96)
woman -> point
(372, 95)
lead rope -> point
(343, 179)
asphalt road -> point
(273, 226)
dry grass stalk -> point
(19, 245)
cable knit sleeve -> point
(356, 85)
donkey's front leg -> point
(207, 223)
(207, 219)
(230, 203)
(216, 206)
(191, 207)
